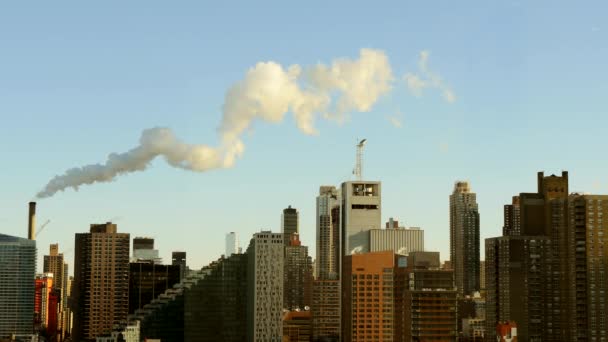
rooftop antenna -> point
(359, 166)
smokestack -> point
(31, 222)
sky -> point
(496, 92)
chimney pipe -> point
(31, 222)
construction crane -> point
(359, 166)
(42, 227)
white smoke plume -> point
(416, 83)
(267, 92)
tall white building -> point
(265, 256)
(232, 244)
(328, 233)
(361, 212)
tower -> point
(265, 287)
(464, 238)
(232, 244)
(289, 223)
(101, 280)
(361, 210)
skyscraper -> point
(361, 210)
(368, 307)
(587, 276)
(232, 244)
(179, 258)
(289, 223)
(464, 238)
(143, 250)
(547, 273)
(215, 307)
(429, 299)
(297, 288)
(17, 286)
(101, 280)
(42, 307)
(326, 310)
(516, 285)
(147, 280)
(265, 287)
(328, 233)
(55, 263)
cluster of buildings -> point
(543, 280)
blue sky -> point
(79, 81)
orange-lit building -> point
(44, 285)
(506, 332)
(297, 326)
(368, 307)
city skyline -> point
(77, 105)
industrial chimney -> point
(31, 222)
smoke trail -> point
(267, 92)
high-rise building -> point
(361, 210)
(587, 277)
(512, 218)
(516, 286)
(326, 313)
(216, 306)
(289, 223)
(232, 244)
(55, 263)
(44, 286)
(464, 238)
(297, 326)
(265, 287)
(482, 276)
(179, 258)
(328, 233)
(101, 281)
(17, 285)
(400, 240)
(297, 288)
(368, 294)
(147, 280)
(546, 273)
(143, 250)
(429, 299)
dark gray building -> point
(289, 223)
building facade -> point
(265, 287)
(143, 251)
(297, 326)
(148, 280)
(400, 240)
(179, 258)
(328, 233)
(368, 297)
(216, 305)
(17, 285)
(101, 281)
(464, 238)
(429, 299)
(361, 212)
(326, 312)
(42, 303)
(232, 244)
(297, 287)
(55, 263)
(290, 223)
